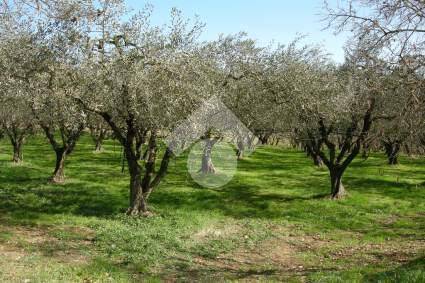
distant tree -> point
(99, 130)
(42, 57)
(17, 123)
(404, 105)
(16, 119)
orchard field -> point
(274, 221)
(163, 142)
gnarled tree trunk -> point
(392, 149)
(59, 173)
(98, 145)
(141, 188)
(98, 135)
(313, 147)
(17, 138)
(207, 166)
(313, 153)
(349, 146)
(337, 188)
(17, 151)
(137, 204)
(317, 160)
(69, 140)
(140, 141)
(240, 150)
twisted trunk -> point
(59, 172)
(337, 188)
(142, 184)
(317, 160)
(140, 141)
(63, 149)
(349, 146)
(17, 138)
(17, 151)
(392, 149)
(240, 150)
(313, 154)
(313, 146)
(138, 205)
(264, 138)
(98, 136)
(98, 146)
(207, 166)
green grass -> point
(271, 222)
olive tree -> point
(341, 117)
(141, 78)
(43, 57)
(99, 130)
(16, 121)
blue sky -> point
(263, 20)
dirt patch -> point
(299, 255)
(215, 231)
(11, 254)
(24, 241)
(275, 258)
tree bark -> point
(317, 160)
(62, 150)
(337, 188)
(17, 152)
(138, 205)
(140, 141)
(251, 140)
(59, 173)
(313, 153)
(313, 147)
(17, 140)
(207, 166)
(98, 146)
(240, 150)
(264, 139)
(98, 135)
(392, 149)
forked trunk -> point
(207, 166)
(59, 174)
(264, 139)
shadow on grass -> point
(272, 183)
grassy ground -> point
(271, 222)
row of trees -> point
(69, 66)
